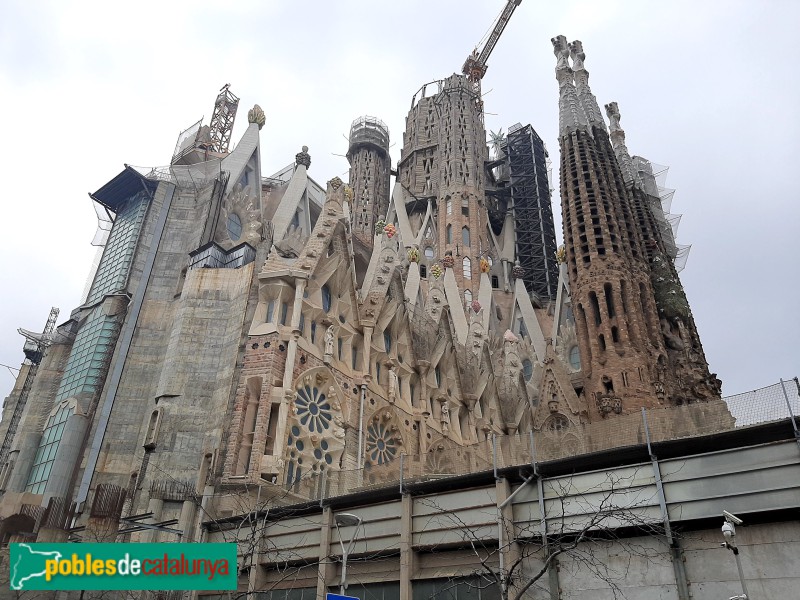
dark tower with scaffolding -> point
(533, 211)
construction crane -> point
(34, 349)
(475, 65)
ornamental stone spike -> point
(303, 158)
(256, 115)
(617, 135)
(570, 113)
(585, 95)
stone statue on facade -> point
(330, 336)
(394, 384)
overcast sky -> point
(709, 88)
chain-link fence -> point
(559, 439)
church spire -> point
(585, 95)
(571, 116)
(617, 135)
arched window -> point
(234, 227)
(449, 234)
(428, 252)
(575, 358)
(467, 297)
(326, 298)
(449, 204)
(437, 374)
(270, 310)
(527, 369)
(467, 268)
(423, 271)
(465, 237)
(387, 341)
(284, 312)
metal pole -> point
(342, 584)
(494, 455)
(681, 580)
(735, 551)
(402, 464)
(791, 414)
(361, 433)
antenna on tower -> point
(221, 125)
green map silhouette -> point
(29, 564)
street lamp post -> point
(346, 520)
(729, 532)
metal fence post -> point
(791, 413)
(678, 566)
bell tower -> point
(612, 295)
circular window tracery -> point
(313, 409)
(555, 426)
(382, 445)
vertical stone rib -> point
(617, 136)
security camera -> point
(728, 530)
(731, 518)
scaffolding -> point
(221, 125)
(532, 210)
(371, 132)
(34, 349)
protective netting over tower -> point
(533, 211)
(653, 177)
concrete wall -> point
(443, 534)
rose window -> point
(556, 425)
(381, 444)
(313, 409)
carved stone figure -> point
(671, 339)
(394, 385)
(330, 336)
(445, 419)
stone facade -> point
(272, 340)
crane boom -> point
(475, 65)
